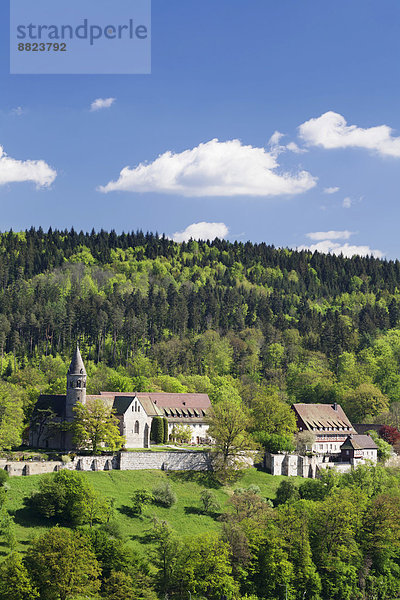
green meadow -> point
(184, 516)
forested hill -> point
(149, 306)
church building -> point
(134, 410)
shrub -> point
(391, 435)
(313, 489)
(164, 495)
(384, 449)
(254, 489)
(157, 430)
(209, 501)
(272, 442)
(67, 497)
(139, 500)
(3, 477)
(65, 458)
(182, 433)
(165, 423)
(287, 492)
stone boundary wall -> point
(167, 461)
(125, 461)
(30, 467)
(295, 465)
(393, 461)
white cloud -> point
(275, 138)
(102, 103)
(13, 171)
(330, 130)
(18, 111)
(213, 169)
(330, 247)
(293, 147)
(201, 231)
(277, 148)
(330, 235)
(347, 202)
(331, 190)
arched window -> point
(137, 427)
(78, 383)
(71, 384)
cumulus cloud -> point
(201, 231)
(330, 130)
(330, 235)
(331, 190)
(330, 247)
(213, 169)
(347, 202)
(101, 103)
(13, 171)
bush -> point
(391, 435)
(139, 500)
(287, 492)
(182, 434)
(165, 423)
(164, 495)
(114, 529)
(313, 489)
(67, 497)
(254, 489)
(3, 477)
(384, 449)
(209, 501)
(272, 442)
(157, 430)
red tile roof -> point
(359, 442)
(321, 416)
(162, 400)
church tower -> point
(76, 384)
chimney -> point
(335, 406)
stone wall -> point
(167, 461)
(393, 461)
(125, 461)
(292, 465)
(30, 467)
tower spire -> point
(77, 367)
(76, 384)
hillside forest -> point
(255, 327)
(267, 326)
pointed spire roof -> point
(77, 367)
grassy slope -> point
(120, 485)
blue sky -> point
(324, 74)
